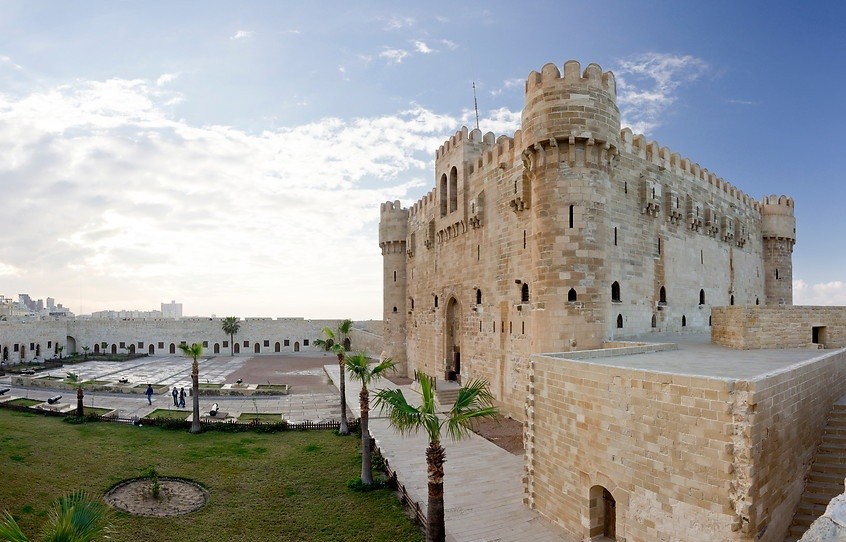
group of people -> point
(178, 396)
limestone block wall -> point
(21, 341)
(685, 458)
(363, 340)
(753, 327)
(789, 411)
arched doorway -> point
(296, 346)
(114, 349)
(347, 344)
(217, 348)
(172, 348)
(71, 344)
(5, 353)
(257, 348)
(132, 349)
(603, 513)
(237, 348)
(96, 348)
(277, 347)
(452, 340)
(151, 350)
(23, 353)
(38, 350)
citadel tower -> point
(393, 228)
(571, 127)
(779, 233)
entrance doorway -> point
(818, 335)
(603, 514)
(452, 341)
(152, 349)
(296, 346)
(217, 348)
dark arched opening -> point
(524, 293)
(654, 321)
(237, 347)
(615, 291)
(443, 194)
(571, 295)
(277, 347)
(478, 297)
(216, 348)
(603, 514)
(347, 344)
(257, 348)
(701, 297)
(684, 321)
(453, 189)
(731, 300)
(662, 295)
(619, 321)
(296, 346)
(172, 349)
(452, 343)
(151, 349)
(114, 349)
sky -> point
(233, 155)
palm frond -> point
(194, 351)
(329, 333)
(77, 518)
(344, 327)
(358, 366)
(427, 392)
(405, 418)
(459, 426)
(10, 531)
(474, 401)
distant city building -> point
(172, 309)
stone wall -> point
(363, 340)
(752, 327)
(685, 458)
(155, 336)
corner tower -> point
(779, 233)
(393, 229)
(571, 129)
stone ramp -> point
(483, 489)
(825, 478)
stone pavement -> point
(483, 490)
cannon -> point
(239, 381)
(123, 381)
(5, 390)
(53, 400)
(214, 409)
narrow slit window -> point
(524, 293)
(571, 215)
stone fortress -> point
(572, 266)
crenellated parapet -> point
(393, 227)
(779, 221)
(665, 159)
(569, 106)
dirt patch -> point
(504, 432)
(177, 497)
(303, 372)
(399, 380)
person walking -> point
(181, 397)
(175, 395)
(149, 394)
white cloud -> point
(7, 61)
(648, 84)
(118, 204)
(451, 45)
(823, 293)
(394, 56)
(166, 78)
(242, 34)
(421, 47)
(508, 84)
(398, 23)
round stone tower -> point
(779, 233)
(571, 129)
(393, 229)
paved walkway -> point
(483, 489)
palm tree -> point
(194, 351)
(85, 350)
(474, 401)
(73, 518)
(335, 343)
(231, 326)
(360, 369)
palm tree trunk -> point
(231, 345)
(195, 386)
(366, 468)
(343, 429)
(435, 459)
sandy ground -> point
(303, 371)
(504, 432)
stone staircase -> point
(825, 479)
(446, 392)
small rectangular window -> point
(305, 342)
(287, 342)
(140, 344)
(32, 346)
(266, 342)
(17, 347)
(225, 344)
(49, 344)
(205, 344)
(161, 345)
(246, 344)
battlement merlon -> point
(575, 104)
(662, 157)
(778, 220)
(393, 223)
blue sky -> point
(233, 156)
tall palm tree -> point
(474, 401)
(362, 370)
(231, 326)
(335, 343)
(73, 518)
(194, 351)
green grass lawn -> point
(283, 486)
(24, 402)
(171, 414)
(263, 417)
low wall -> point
(754, 327)
(718, 458)
(366, 341)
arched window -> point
(654, 321)
(731, 300)
(615, 291)
(757, 301)
(571, 295)
(662, 295)
(524, 297)
(453, 189)
(478, 297)
(443, 194)
(395, 310)
(701, 297)
(684, 321)
(619, 321)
